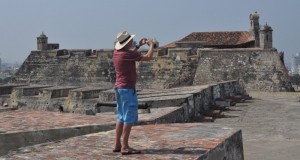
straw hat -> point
(122, 39)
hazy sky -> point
(94, 24)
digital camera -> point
(155, 43)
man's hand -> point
(149, 55)
(150, 42)
(142, 41)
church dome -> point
(43, 35)
(266, 27)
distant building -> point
(296, 64)
(42, 43)
(0, 65)
(257, 37)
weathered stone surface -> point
(166, 108)
(255, 69)
(270, 123)
(77, 68)
(23, 128)
(169, 141)
(222, 103)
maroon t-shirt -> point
(124, 62)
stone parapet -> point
(82, 99)
(31, 90)
(56, 92)
(26, 96)
(5, 93)
(78, 100)
(8, 88)
(86, 92)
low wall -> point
(12, 141)
(230, 149)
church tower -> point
(254, 28)
(42, 42)
(266, 38)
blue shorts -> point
(127, 105)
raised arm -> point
(149, 55)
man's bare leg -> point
(125, 137)
(119, 131)
(125, 146)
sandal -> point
(116, 150)
(130, 151)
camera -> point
(155, 43)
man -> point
(124, 58)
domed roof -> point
(266, 27)
(43, 35)
(254, 15)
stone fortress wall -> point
(255, 68)
(95, 68)
(66, 67)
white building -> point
(296, 64)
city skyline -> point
(94, 24)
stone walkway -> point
(163, 141)
(23, 128)
(270, 124)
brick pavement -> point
(30, 120)
(19, 128)
(22, 120)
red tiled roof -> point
(215, 38)
(218, 38)
(170, 45)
